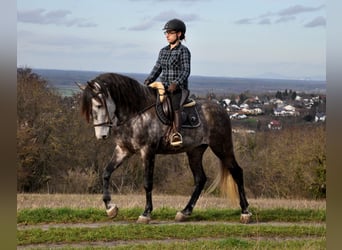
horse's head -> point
(98, 105)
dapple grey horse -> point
(122, 107)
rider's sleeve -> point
(185, 60)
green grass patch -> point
(229, 243)
(129, 232)
(290, 215)
(68, 215)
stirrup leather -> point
(178, 142)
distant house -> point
(244, 106)
(320, 117)
(298, 98)
(274, 124)
(276, 101)
(242, 116)
(257, 111)
(287, 110)
(226, 101)
(234, 116)
(278, 111)
(235, 107)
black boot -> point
(176, 138)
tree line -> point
(57, 153)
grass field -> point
(79, 222)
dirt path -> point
(162, 223)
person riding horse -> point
(173, 67)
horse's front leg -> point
(148, 162)
(118, 156)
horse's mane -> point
(128, 94)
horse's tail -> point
(228, 187)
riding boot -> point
(176, 137)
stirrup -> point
(178, 142)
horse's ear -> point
(97, 86)
(82, 87)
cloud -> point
(142, 26)
(285, 15)
(162, 18)
(285, 19)
(298, 9)
(318, 21)
(265, 21)
(57, 17)
(245, 21)
(166, 15)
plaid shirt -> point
(173, 65)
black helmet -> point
(175, 24)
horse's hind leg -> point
(237, 173)
(195, 161)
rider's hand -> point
(172, 87)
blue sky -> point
(259, 38)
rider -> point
(173, 64)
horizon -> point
(204, 76)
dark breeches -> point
(176, 97)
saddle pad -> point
(190, 117)
(189, 103)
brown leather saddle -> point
(190, 116)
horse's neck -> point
(125, 115)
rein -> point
(139, 113)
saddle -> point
(190, 117)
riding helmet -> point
(175, 24)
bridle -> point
(109, 122)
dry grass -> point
(135, 200)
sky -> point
(259, 38)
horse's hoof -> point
(112, 211)
(143, 219)
(180, 217)
(246, 218)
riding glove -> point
(172, 87)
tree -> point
(56, 150)
(35, 102)
(279, 95)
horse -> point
(121, 107)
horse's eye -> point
(98, 106)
